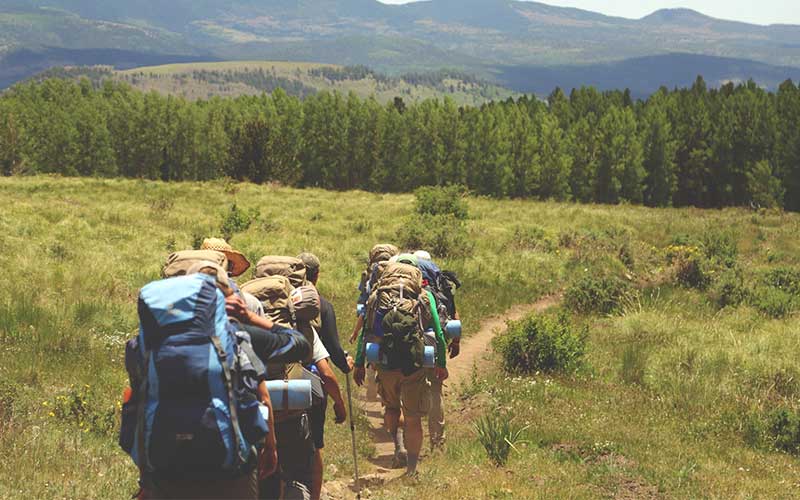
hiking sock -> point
(399, 441)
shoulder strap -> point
(144, 459)
(223, 358)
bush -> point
(729, 291)
(436, 200)
(532, 238)
(236, 220)
(541, 343)
(721, 247)
(442, 235)
(591, 294)
(499, 435)
(773, 302)
(784, 430)
(785, 279)
(692, 269)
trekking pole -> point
(353, 434)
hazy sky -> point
(751, 11)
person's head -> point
(312, 266)
(422, 255)
(237, 262)
(214, 270)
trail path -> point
(473, 350)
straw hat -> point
(237, 261)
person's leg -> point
(436, 413)
(318, 435)
(389, 387)
(415, 396)
(372, 384)
(316, 476)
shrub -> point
(236, 220)
(785, 279)
(720, 246)
(442, 235)
(784, 430)
(499, 435)
(773, 302)
(729, 291)
(541, 343)
(436, 200)
(692, 269)
(591, 294)
(532, 238)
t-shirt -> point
(319, 351)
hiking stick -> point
(353, 435)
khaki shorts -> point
(411, 393)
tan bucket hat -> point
(238, 262)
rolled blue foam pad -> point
(430, 357)
(373, 352)
(453, 329)
(298, 392)
(360, 310)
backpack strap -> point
(144, 459)
(223, 358)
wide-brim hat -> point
(236, 260)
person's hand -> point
(454, 348)
(354, 336)
(359, 374)
(350, 362)
(236, 307)
(340, 411)
(441, 373)
(267, 462)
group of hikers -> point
(229, 383)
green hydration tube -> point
(441, 343)
(361, 348)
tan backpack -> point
(275, 293)
(179, 263)
(400, 287)
(276, 265)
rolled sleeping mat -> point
(289, 394)
(430, 357)
(453, 329)
(373, 352)
(361, 310)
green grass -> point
(672, 399)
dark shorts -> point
(295, 456)
(318, 424)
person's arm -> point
(357, 329)
(332, 389)
(329, 334)
(237, 308)
(279, 345)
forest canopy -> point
(697, 146)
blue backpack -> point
(189, 417)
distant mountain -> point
(488, 37)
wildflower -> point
(52, 414)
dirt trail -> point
(473, 349)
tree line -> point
(699, 146)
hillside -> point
(687, 385)
(236, 78)
(481, 36)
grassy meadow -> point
(675, 396)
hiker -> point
(185, 445)
(440, 284)
(237, 266)
(290, 299)
(379, 257)
(397, 313)
(329, 335)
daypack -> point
(190, 416)
(379, 255)
(402, 346)
(276, 265)
(178, 263)
(441, 284)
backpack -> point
(398, 289)
(403, 346)
(190, 415)
(378, 257)
(178, 263)
(442, 285)
(276, 265)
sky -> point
(751, 11)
